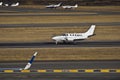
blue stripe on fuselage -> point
(31, 60)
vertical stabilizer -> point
(59, 4)
(76, 5)
(30, 62)
(15, 4)
(90, 31)
(1, 3)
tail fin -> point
(15, 4)
(30, 62)
(1, 3)
(91, 30)
(76, 5)
(60, 4)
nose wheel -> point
(56, 42)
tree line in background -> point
(71, 2)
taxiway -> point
(53, 45)
(62, 65)
(59, 24)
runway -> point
(49, 14)
(57, 76)
(83, 13)
(53, 45)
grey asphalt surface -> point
(53, 45)
(59, 24)
(14, 14)
(18, 9)
(57, 76)
(62, 65)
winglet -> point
(35, 53)
(30, 62)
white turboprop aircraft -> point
(70, 7)
(71, 37)
(15, 4)
(12, 5)
(26, 67)
(54, 5)
(1, 3)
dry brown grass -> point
(58, 19)
(92, 53)
(32, 6)
(37, 34)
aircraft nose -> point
(54, 38)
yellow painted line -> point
(57, 70)
(73, 70)
(66, 70)
(89, 70)
(8, 71)
(118, 70)
(25, 70)
(41, 70)
(105, 70)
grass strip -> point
(58, 19)
(83, 53)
